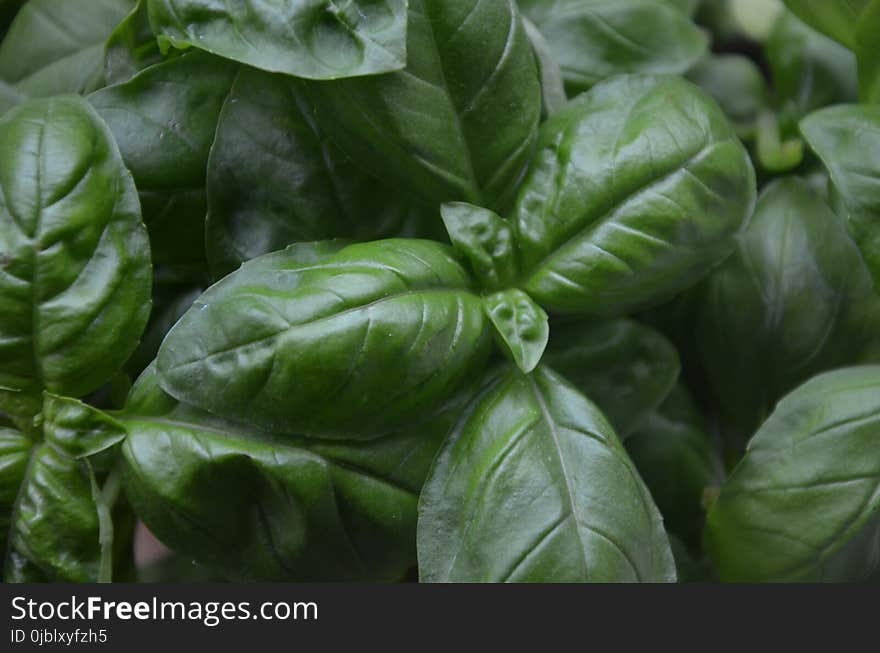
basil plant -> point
(437, 290)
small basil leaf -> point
(533, 485)
(58, 47)
(847, 139)
(868, 54)
(675, 456)
(626, 368)
(273, 179)
(304, 347)
(485, 239)
(595, 39)
(74, 257)
(58, 513)
(835, 18)
(810, 71)
(459, 123)
(131, 47)
(521, 326)
(737, 84)
(635, 194)
(783, 307)
(315, 39)
(803, 504)
(77, 429)
(552, 84)
(266, 507)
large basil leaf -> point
(596, 39)
(635, 193)
(533, 485)
(459, 122)
(273, 179)
(809, 70)
(57, 47)
(56, 506)
(804, 504)
(259, 506)
(74, 257)
(164, 120)
(625, 367)
(315, 39)
(784, 307)
(835, 18)
(675, 456)
(847, 139)
(354, 344)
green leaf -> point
(54, 511)
(835, 18)
(164, 120)
(595, 39)
(810, 71)
(552, 84)
(315, 39)
(351, 344)
(485, 239)
(784, 307)
(635, 193)
(675, 456)
(521, 326)
(737, 84)
(77, 429)
(847, 139)
(262, 506)
(803, 505)
(58, 47)
(868, 54)
(458, 124)
(626, 368)
(533, 485)
(131, 47)
(74, 258)
(274, 179)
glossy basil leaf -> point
(636, 192)
(274, 179)
(301, 343)
(56, 508)
(131, 47)
(552, 84)
(868, 54)
(784, 307)
(737, 84)
(485, 239)
(521, 326)
(623, 366)
(533, 485)
(314, 39)
(164, 120)
(74, 257)
(689, 7)
(595, 39)
(458, 124)
(847, 139)
(835, 18)
(58, 47)
(810, 71)
(803, 504)
(262, 506)
(674, 453)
